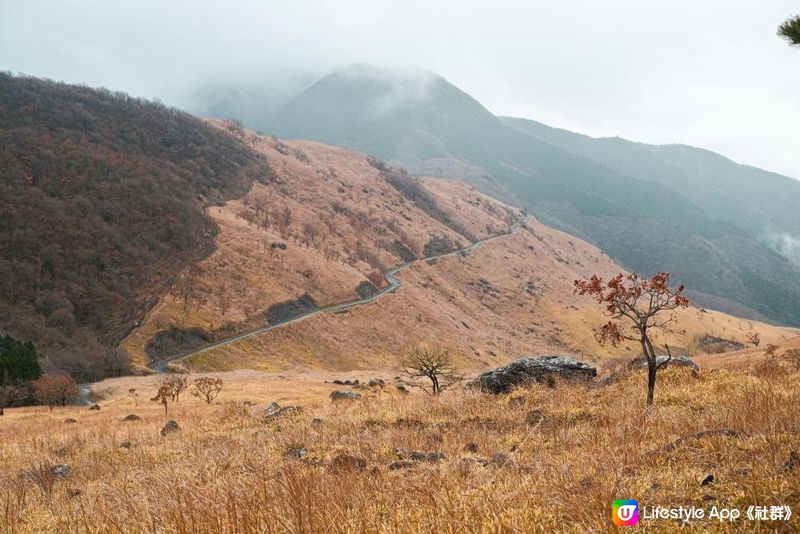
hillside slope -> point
(102, 201)
(421, 122)
(350, 219)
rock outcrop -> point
(542, 369)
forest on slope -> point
(102, 199)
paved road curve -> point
(391, 277)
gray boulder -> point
(664, 361)
(169, 428)
(337, 396)
(272, 407)
(540, 370)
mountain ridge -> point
(647, 225)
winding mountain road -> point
(390, 275)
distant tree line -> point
(22, 381)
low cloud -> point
(784, 244)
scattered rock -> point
(70, 421)
(709, 498)
(524, 371)
(471, 447)
(41, 474)
(351, 383)
(272, 407)
(534, 417)
(716, 345)
(402, 389)
(792, 462)
(127, 445)
(338, 382)
(708, 480)
(170, 427)
(61, 451)
(285, 412)
(664, 361)
(94, 407)
(432, 457)
(376, 382)
(298, 453)
(347, 462)
(316, 422)
(345, 396)
(400, 464)
(472, 460)
(132, 417)
(499, 459)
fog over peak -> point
(710, 74)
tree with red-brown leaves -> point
(55, 390)
(163, 396)
(641, 303)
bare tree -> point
(283, 220)
(10, 394)
(55, 389)
(163, 396)
(206, 388)
(639, 302)
(310, 233)
(116, 361)
(134, 396)
(423, 363)
(185, 289)
(754, 338)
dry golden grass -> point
(227, 469)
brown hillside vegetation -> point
(508, 298)
(101, 204)
(536, 460)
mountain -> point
(131, 229)
(102, 200)
(423, 123)
(326, 227)
(756, 201)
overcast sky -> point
(710, 73)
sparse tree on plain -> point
(423, 364)
(206, 388)
(177, 383)
(10, 394)
(163, 396)
(55, 390)
(642, 304)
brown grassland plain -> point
(227, 469)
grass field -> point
(228, 468)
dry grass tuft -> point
(228, 469)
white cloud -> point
(709, 73)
